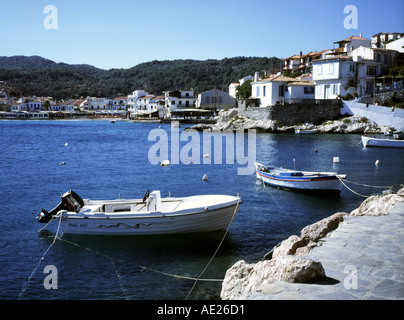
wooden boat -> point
(327, 183)
(378, 142)
(147, 216)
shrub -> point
(346, 121)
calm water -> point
(105, 160)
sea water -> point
(40, 160)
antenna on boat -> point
(294, 164)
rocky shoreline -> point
(288, 262)
(231, 121)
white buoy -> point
(335, 159)
(66, 144)
(377, 162)
(165, 163)
(205, 177)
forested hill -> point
(28, 76)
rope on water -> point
(136, 265)
(217, 249)
(120, 280)
(24, 288)
(353, 191)
(367, 185)
(361, 184)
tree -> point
(244, 91)
(46, 105)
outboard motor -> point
(71, 201)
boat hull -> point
(155, 223)
(324, 184)
(301, 131)
(375, 142)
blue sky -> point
(122, 34)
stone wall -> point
(384, 98)
(292, 114)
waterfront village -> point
(353, 69)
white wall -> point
(383, 116)
(396, 45)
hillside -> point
(42, 77)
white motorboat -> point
(303, 131)
(326, 183)
(377, 142)
(147, 216)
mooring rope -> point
(367, 185)
(120, 280)
(136, 265)
(24, 288)
(353, 191)
(361, 184)
(216, 251)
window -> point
(258, 91)
(331, 68)
(352, 67)
(207, 99)
(371, 71)
(320, 70)
(264, 91)
(282, 89)
(220, 99)
(308, 90)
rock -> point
(378, 205)
(318, 230)
(308, 239)
(243, 279)
(288, 246)
(231, 121)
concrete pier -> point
(363, 260)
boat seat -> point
(121, 207)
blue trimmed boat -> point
(327, 183)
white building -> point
(397, 45)
(179, 99)
(281, 89)
(95, 104)
(340, 75)
(132, 102)
(215, 99)
(62, 106)
(119, 103)
(233, 86)
(19, 106)
(381, 39)
(386, 57)
(349, 44)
